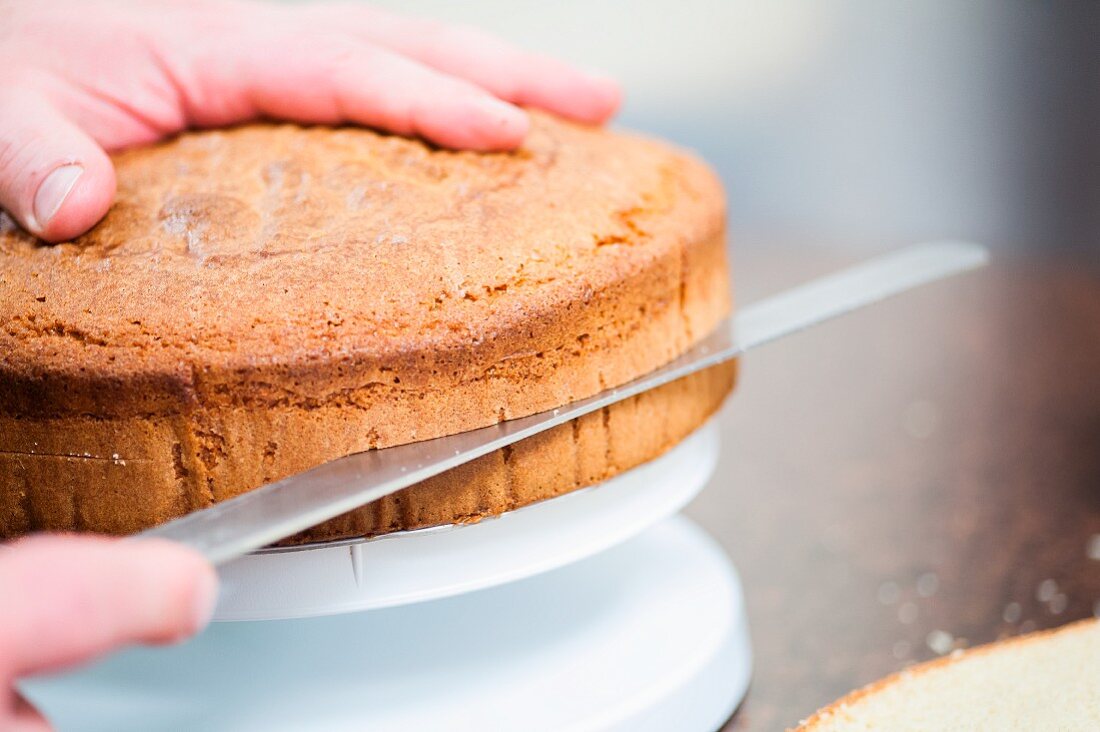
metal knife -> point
(255, 519)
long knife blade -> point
(255, 519)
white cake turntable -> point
(599, 610)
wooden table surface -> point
(921, 475)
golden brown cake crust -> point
(262, 299)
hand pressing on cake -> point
(65, 600)
(80, 79)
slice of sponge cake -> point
(1042, 682)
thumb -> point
(67, 599)
(54, 179)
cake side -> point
(575, 455)
(105, 492)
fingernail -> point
(206, 598)
(53, 191)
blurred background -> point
(854, 122)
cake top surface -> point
(269, 244)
